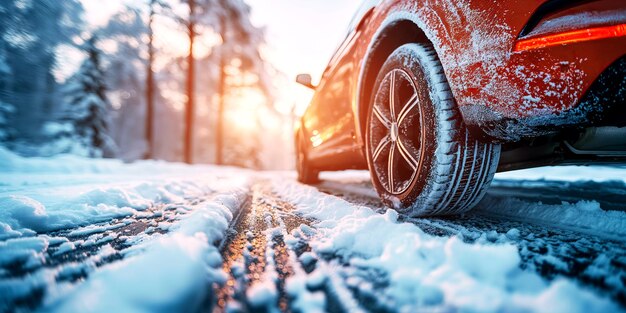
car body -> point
(545, 79)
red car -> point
(435, 96)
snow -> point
(45, 194)
(568, 173)
(93, 229)
(442, 273)
(262, 294)
(585, 216)
(28, 250)
(65, 247)
(115, 288)
(23, 212)
(39, 196)
(146, 236)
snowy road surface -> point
(101, 236)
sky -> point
(301, 37)
(303, 34)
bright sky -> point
(301, 36)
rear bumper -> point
(602, 104)
(548, 75)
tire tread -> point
(466, 168)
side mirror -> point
(305, 80)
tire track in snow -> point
(244, 259)
(271, 268)
(254, 260)
(326, 274)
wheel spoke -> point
(390, 168)
(400, 135)
(381, 117)
(381, 145)
(407, 155)
(407, 108)
(392, 95)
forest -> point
(175, 80)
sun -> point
(246, 109)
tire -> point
(306, 173)
(422, 158)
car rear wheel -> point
(422, 157)
(306, 173)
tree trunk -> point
(190, 87)
(150, 88)
(219, 141)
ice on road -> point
(80, 235)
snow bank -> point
(585, 216)
(11, 162)
(582, 216)
(19, 213)
(72, 164)
(568, 173)
(60, 210)
(46, 194)
(425, 271)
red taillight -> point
(571, 37)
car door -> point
(331, 120)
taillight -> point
(571, 37)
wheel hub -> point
(395, 132)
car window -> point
(366, 6)
(361, 11)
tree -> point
(230, 65)
(241, 42)
(124, 65)
(190, 113)
(238, 52)
(6, 109)
(153, 5)
(88, 105)
(30, 33)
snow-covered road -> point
(101, 236)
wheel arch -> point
(395, 32)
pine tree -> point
(31, 85)
(6, 109)
(125, 69)
(87, 106)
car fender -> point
(424, 19)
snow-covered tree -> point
(240, 54)
(87, 106)
(6, 109)
(30, 34)
(233, 63)
(124, 66)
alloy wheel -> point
(396, 134)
